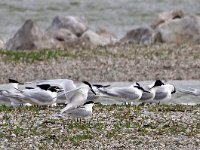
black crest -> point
(54, 88)
(44, 86)
(158, 83)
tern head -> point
(54, 89)
(44, 86)
(88, 84)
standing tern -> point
(77, 97)
(82, 111)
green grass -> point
(130, 51)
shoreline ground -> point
(110, 127)
(115, 63)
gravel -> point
(115, 63)
(110, 127)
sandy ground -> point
(116, 63)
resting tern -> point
(77, 97)
(131, 93)
(163, 91)
(65, 84)
(43, 94)
(192, 91)
(12, 93)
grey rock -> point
(77, 25)
(166, 17)
(30, 37)
(93, 39)
(181, 30)
(142, 35)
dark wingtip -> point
(137, 84)
(29, 88)
(87, 83)
(174, 91)
(12, 81)
(141, 88)
(100, 86)
(89, 102)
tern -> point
(82, 111)
(65, 84)
(12, 93)
(43, 94)
(163, 91)
(77, 97)
(131, 93)
(192, 91)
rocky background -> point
(174, 26)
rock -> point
(166, 17)
(103, 32)
(186, 29)
(77, 25)
(141, 35)
(63, 36)
(92, 39)
(2, 44)
(30, 37)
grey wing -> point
(121, 92)
(146, 96)
(4, 99)
(160, 95)
(40, 96)
(79, 112)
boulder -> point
(63, 36)
(77, 25)
(30, 37)
(2, 44)
(142, 35)
(166, 17)
(93, 39)
(182, 30)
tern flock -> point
(79, 100)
